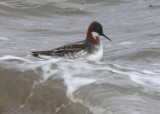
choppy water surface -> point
(125, 81)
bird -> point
(91, 48)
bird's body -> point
(91, 48)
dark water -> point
(125, 81)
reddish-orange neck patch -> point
(95, 41)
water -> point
(125, 81)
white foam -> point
(10, 57)
(145, 80)
(69, 71)
(126, 43)
(75, 75)
(72, 69)
(153, 43)
(36, 64)
(74, 84)
(64, 68)
(46, 57)
(124, 67)
(156, 64)
(3, 38)
(98, 110)
(48, 72)
(148, 72)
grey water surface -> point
(125, 81)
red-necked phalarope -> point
(91, 48)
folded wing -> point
(62, 51)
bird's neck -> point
(91, 46)
(95, 41)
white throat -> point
(97, 55)
(95, 35)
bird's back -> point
(73, 50)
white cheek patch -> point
(95, 35)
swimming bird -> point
(91, 48)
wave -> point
(147, 54)
(79, 76)
(24, 4)
(72, 71)
(46, 8)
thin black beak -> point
(106, 37)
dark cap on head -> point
(97, 27)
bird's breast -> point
(96, 54)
